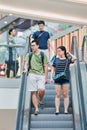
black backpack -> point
(42, 58)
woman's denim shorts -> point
(62, 82)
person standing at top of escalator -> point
(43, 38)
(11, 56)
(60, 66)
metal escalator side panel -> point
(19, 104)
(79, 84)
(19, 118)
(84, 82)
(75, 101)
(27, 112)
(29, 119)
(26, 108)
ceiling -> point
(65, 11)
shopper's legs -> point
(41, 93)
(8, 71)
(15, 68)
(35, 100)
(65, 91)
(57, 97)
(41, 87)
(32, 86)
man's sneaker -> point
(41, 104)
(36, 112)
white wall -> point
(8, 106)
(7, 119)
(9, 98)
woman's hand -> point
(73, 56)
(68, 53)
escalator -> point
(12, 21)
(76, 119)
(47, 120)
(7, 21)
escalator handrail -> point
(74, 49)
(22, 95)
(65, 32)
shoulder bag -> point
(61, 75)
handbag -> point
(61, 75)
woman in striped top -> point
(62, 61)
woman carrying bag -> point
(61, 77)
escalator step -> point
(52, 98)
(52, 110)
(51, 129)
(51, 124)
(52, 92)
(52, 104)
(52, 117)
(47, 120)
(51, 86)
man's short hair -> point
(41, 22)
(9, 32)
(35, 42)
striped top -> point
(60, 65)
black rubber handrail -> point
(74, 50)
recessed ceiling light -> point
(5, 22)
(78, 1)
(10, 14)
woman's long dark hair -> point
(63, 49)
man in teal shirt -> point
(38, 74)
